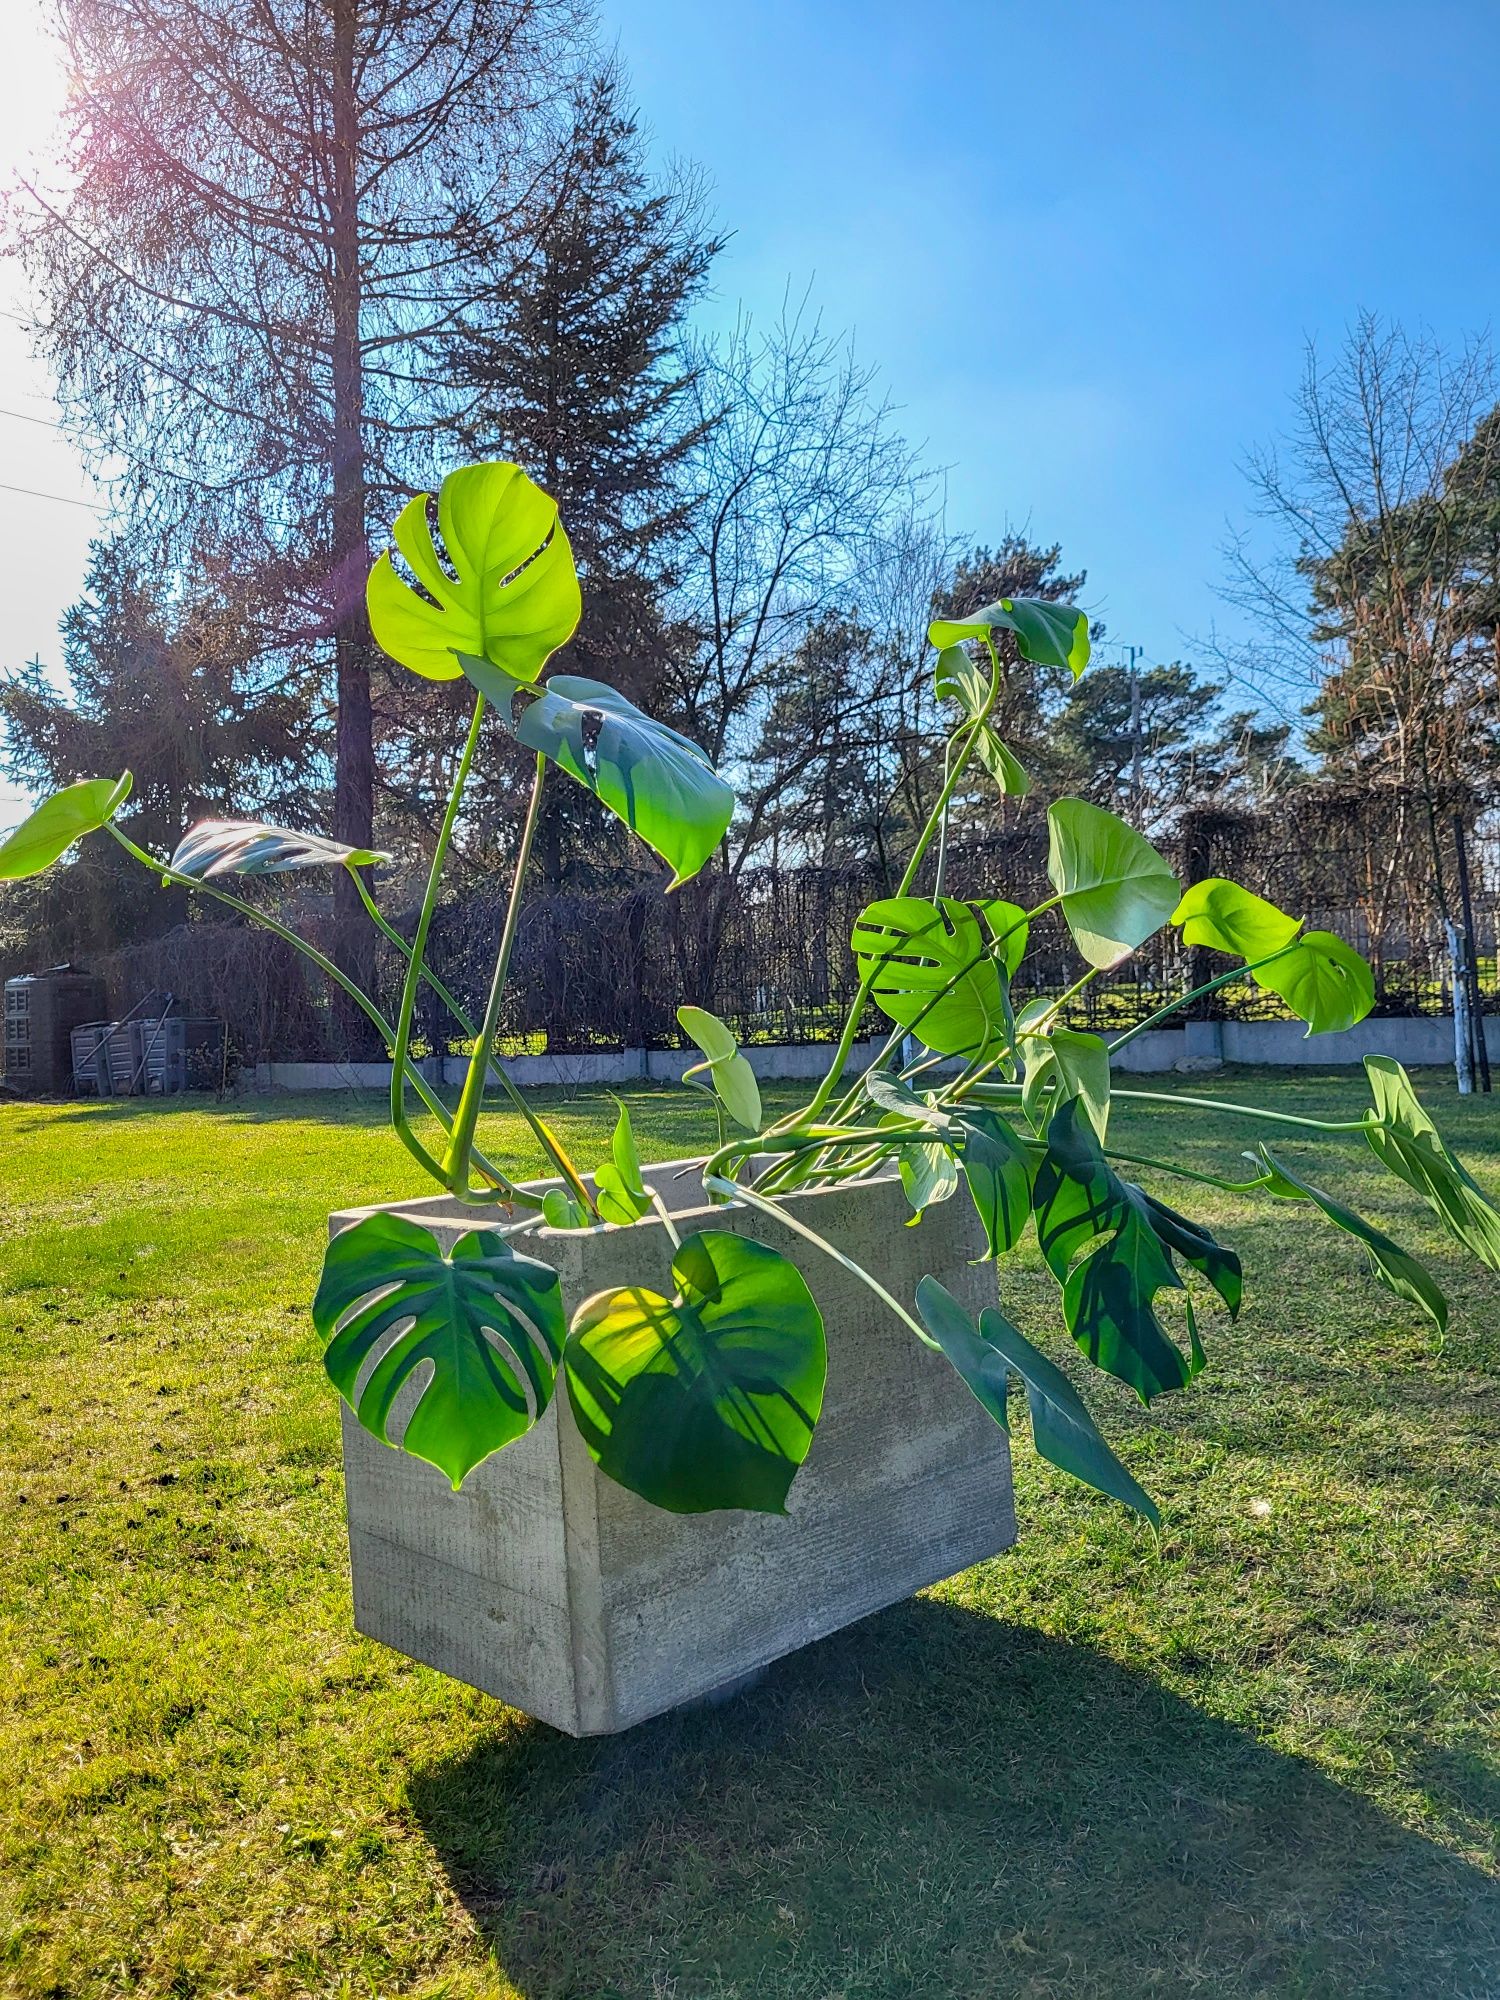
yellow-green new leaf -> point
(1223, 916)
(1050, 635)
(507, 593)
(47, 834)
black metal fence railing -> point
(768, 951)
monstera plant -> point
(700, 1386)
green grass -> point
(1256, 1760)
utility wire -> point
(62, 499)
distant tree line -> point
(297, 257)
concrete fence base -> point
(1198, 1045)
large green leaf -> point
(250, 847)
(733, 1078)
(959, 679)
(1115, 888)
(997, 1167)
(934, 969)
(1396, 1268)
(1052, 635)
(1110, 1245)
(653, 778)
(47, 834)
(507, 593)
(709, 1399)
(480, 1330)
(1220, 914)
(1324, 981)
(1064, 1432)
(1409, 1145)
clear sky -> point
(1083, 242)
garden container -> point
(545, 1584)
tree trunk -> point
(354, 750)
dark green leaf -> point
(508, 592)
(250, 847)
(997, 1167)
(481, 1329)
(1064, 1432)
(710, 1399)
(934, 967)
(47, 834)
(1192, 1242)
(1051, 635)
(1396, 1268)
(1115, 888)
(1409, 1145)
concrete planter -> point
(546, 1585)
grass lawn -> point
(1258, 1759)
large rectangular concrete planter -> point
(547, 1585)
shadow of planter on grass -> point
(935, 1803)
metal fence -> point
(768, 951)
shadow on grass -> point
(936, 1803)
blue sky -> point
(1083, 243)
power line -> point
(50, 423)
(62, 499)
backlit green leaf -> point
(730, 1073)
(709, 1399)
(1225, 917)
(47, 834)
(934, 967)
(1064, 1062)
(618, 1187)
(1396, 1268)
(480, 1329)
(1409, 1145)
(1115, 888)
(1064, 1432)
(1324, 981)
(959, 679)
(507, 593)
(1052, 635)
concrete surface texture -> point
(546, 1585)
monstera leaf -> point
(655, 780)
(47, 834)
(732, 1076)
(997, 1168)
(709, 1399)
(1396, 1268)
(929, 1174)
(1110, 1245)
(1063, 1062)
(1409, 1145)
(1064, 1432)
(619, 1189)
(1051, 635)
(249, 847)
(1324, 981)
(480, 1330)
(934, 970)
(1115, 888)
(508, 591)
(958, 679)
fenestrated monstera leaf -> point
(733, 1078)
(511, 596)
(710, 1399)
(1064, 1432)
(959, 679)
(1109, 1245)
(45, 835)
(1051, 635)
(653, 778)
(934, 967)
(1409, 1145)
(1115, 888)
(250, 847)
(1396, 1268)
(480, 1329)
